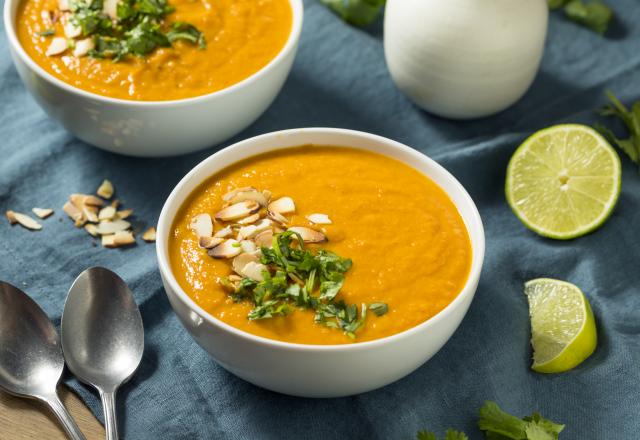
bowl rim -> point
(165, 225)
(297, 10)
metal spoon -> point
(31, 361)
(102, 336)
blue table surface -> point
(340, 79)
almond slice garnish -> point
(238, 211)
(71, 30)
(248, 220)
(253, 230)
(91, 229)
(63, 5)
(248, 246)
(105, 190)
(202, 225)
(85, 199)
(242, 260)
(107, 213)
(284, 205)
(110, 9)
(108, 240)
(90, 213)
(125, 213)
(57, 46)
(264, 239)
(108, 228)
(25, 221)
(149, 235)
(234, 277)
(249, 265)
(246, 194)
(224, 232)
(82, 48)
(11, 217)
(209, 242)
(229, 249)
(74, 213)
(309, 235)
(42, 212)
(319, 219)
(278, 218)
(123, 238)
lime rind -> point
(608, 205)
(561, 355)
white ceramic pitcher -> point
(464, 58)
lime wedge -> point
(563, 181)
(563, 330)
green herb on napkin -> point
(358, 12)
(631, 119)
(594, 14)
(449, 435)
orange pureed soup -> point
(409, 245)
(242, 36)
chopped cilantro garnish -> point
(298, 277)
(47, 33)
(594, 14)
(138, 30)
(631, 120)
(450, 435)
(358, 12)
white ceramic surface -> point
(316, 370)
(464, 58)
(159, 128)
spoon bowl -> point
(102, 335)
(31, 360)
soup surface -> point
(242, 37)
(409, 246)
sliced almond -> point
(278, 218)
(71, 30)
(238, 211)
(319, 219)
(57, 46)
(115, 203)
(47, 18)
(83, 47)
(202, 225)
(42, 212)
(123, 238)
(254, 271)
(253, 230)
(125, 213)
(11, 217)
(224, 232)
(248, 246)
(91, 229)
(242, 260)
(107, 213)
(245, 194)
(26, 221)
(234, 277)
(209, 242)
(105, 190)
(309, 235)
(110, 9)
(108, 240)
(85, 199)
(108, 227)
(248, 220)
(264, 239)
(74, 213)
(284, 205)
(90, 213)
(63, 5)
(229, 249)
(149, 235)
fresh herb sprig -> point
(500, 425)
(138, 29)
(631, 120)
(357, 12)
(594, 14)
(299, 278)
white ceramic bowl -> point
(154, 128)
(319, 370)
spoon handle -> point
(69, 425)
(109, 407)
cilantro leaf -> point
(379, 308)
(426, 435)
(493, 419)
(631, 120)
(185, 31)
(357, 12)
(46, 33)
(556, 4)
(594, 14)
(450, 435)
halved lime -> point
(563, 181)
(563, 329)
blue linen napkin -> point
(340, 79)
